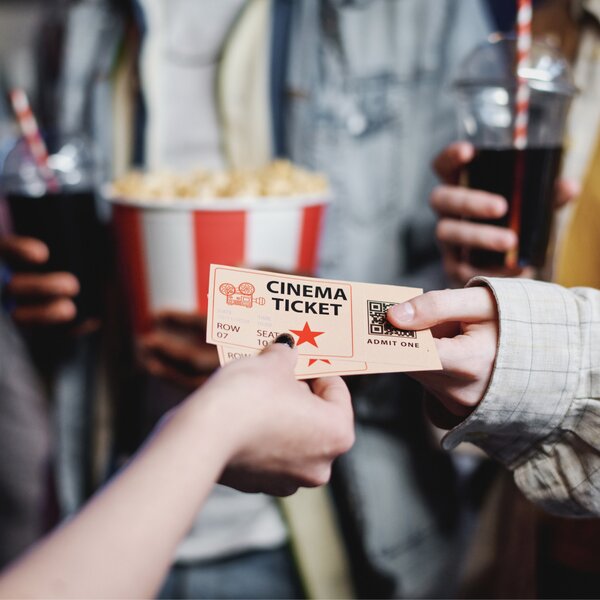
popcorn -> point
(279, 178)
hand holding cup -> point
(175, 349)
(40, 299)
(463, 212)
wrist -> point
(210, 416)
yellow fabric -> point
(123, 110)
(243, 88)
(579, 256)
(317, 545)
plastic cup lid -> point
(493, 64)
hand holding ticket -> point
(339, 327)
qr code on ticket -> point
(379, 325)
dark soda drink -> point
(67, 222)
(526, 179)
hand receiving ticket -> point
(339, 327)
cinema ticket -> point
(341, 322)
(309, 368)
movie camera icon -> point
(243, 295)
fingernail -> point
(500, 208)
(403, 312)
(467, 152)
(68, 310)
(285, 338)
(71, 285)
(38, 251)
(511, 240)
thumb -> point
(451, 160)
(566, 191)
(283, 351)
(15, 248)
(471, 305)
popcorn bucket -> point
(167, 246)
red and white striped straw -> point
(524, 16)
(33, 138)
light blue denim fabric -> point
(75, 378)
(369, 104)
(261, 574)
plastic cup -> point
(486, 89)
(166, 247)
(64, 217)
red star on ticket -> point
(306, 335)
(312, 361)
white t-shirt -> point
(179, 67)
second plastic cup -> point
(486, 103)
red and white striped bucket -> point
(167, 247)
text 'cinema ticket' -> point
(339, 327)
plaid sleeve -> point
(541, 413)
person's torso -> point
(366, 88)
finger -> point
(319, 475)
(566, 191)
(32, 285)
(439, 415)
(246, 481)
(168, 373)
(15, 249)
(524, 272)
(52, 313)
(456, 269)
(454, 354)
(471, 204)
(453, 258)
(283, 352)
(462, 272)
(194, 357)
(471, 305)
(458, 395)
(446, 330)
(304, 386)
(476, 235)
(441, 384)
(331, 389)
(88, 326)
(469, 361)
(180, 319)
(451, 160)
(282, 490)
